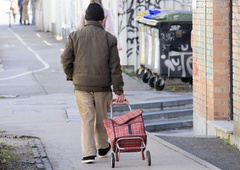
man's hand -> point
(119, 47)
(120, 98)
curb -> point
(39, 153)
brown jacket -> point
(91, 60)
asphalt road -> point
(31, 65)
(212, 150)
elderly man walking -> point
(92, 62)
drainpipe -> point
(231, 57)
(205, 63)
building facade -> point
(61, 17)
(216, 49)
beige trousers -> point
(93, 108)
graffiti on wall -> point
(180, 61)
(128, 10)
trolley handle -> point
(114, 103)
(124, 103)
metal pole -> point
(9, 13)
(10, 19)
(231, 58)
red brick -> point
(221, 59)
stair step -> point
(167, 114)
(169, 124)
(158, 105)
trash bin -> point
(168, 52)
(146, 45)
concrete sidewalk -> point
(45, 116)
(35, 117)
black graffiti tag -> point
(129, 10)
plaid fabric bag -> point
(129, 125)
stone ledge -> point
(223, 125)
(225, 130)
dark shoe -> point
(88, 159)
(104, 152)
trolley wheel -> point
(112, 160)
(159, 86)
(145, 77)
(139, 73)
(151, 81)
(190, 82)
(148, 158)
(185, 80)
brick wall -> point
(236, 65)
(198, 60)
(211, 60)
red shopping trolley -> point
(126, 133)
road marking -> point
(38, 35)
(45, 41)
(46, 65)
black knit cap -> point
(94, 12)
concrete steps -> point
(168, 119)
(161, 104)
(167, 114)
(164, 115)
(169, 124)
